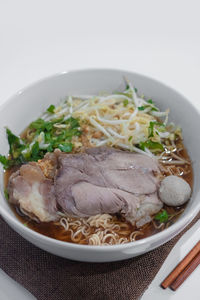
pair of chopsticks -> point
(183, 269)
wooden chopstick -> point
(181, 266)
(186, 272)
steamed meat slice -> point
(106, 167)
(102, 200)
(123, 159)
(106, 180)
(127, 171)
(33, 192)
(101, 180)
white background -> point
(157, 38)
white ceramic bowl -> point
(28, 104)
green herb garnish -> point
(152, 108)
(66, 147)
(6, 194)
(35, 151)
(125, 102)
(46, 137)
(151, 127)
(51, 108)
(130, 138)
(141, 108)
(128, 87)
(15, 143)
(151, 145)
(162, 216)
(150, 101)
(4, 161)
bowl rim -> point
(169, 232)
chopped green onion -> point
(141, 108)
(51, 108)
(162, 216)
(147, 106)
(66, 147)
(35, 151)
(154, 109)
(151, 127)
(150, 101)
(38, 124)
(130, 138)
(151, 145)
(125, 102)
(128, 87)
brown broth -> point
(56, 231)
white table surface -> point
(157, 38)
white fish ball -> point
(174, 191)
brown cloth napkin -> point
(49, 277)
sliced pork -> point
(98, 181)
(106, 180)
(33, 192)
(102, 200)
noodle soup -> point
(123, 121)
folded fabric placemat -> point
(50, 277)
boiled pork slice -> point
(106, 180)
(33, 192)
(102, 200)
(98, 181)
